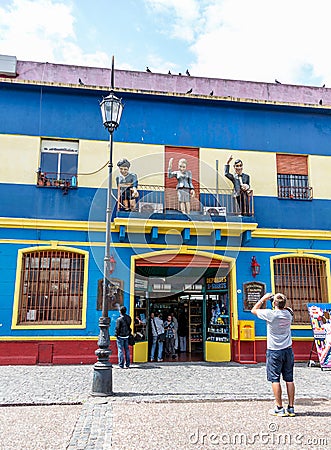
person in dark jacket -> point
(241, 187)
(122, 332)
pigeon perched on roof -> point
(148, 70)
(80, 82)
(189, 91)
(188, 73)
(278, 82)
(211, 93)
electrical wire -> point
(96, 171)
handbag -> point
(131, 340)
(161, 337)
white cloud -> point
(43, 30)
(158, 64)
(184, 14)
(257, 40)
(263, 40)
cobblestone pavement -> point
(152, 400)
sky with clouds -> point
(257, 40)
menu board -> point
(253, 291)
(320, 318)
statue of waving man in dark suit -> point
(241, 186)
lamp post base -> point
(102, 375)
(102, 380)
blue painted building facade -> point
(36, 218)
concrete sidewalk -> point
(161, 405)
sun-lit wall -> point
(20, 157)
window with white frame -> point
(58, 163)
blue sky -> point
(257, 40)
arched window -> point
(51, 288)
(303, 280)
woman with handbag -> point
(157, 334)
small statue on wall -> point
(241, 186)
(127, 184)
(185, 188)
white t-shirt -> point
(278, 327)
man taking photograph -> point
(280, 357)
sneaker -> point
(278, 411)
(160, 360)
(290, 411)
(152, 359)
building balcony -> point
(157, 202)
(62, 181)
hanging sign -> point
(320, 318)
(216, 283)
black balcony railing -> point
(158, 199)
(295, 192)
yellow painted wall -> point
(91, 157)
(145, 160)
(20, 159)
(319, 174)
(261, 166)
(19, 156)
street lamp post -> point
(111, 110)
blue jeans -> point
(160, 348)
(123, 348)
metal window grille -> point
(302, 280)
(51, 288)
(294, 187)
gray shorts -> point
(184, 195)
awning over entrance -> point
(181, 260)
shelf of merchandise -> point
(140, 349)
(219, 332)
(195, 338)
(217, 344)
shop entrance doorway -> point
(186, 311)
(195, 290)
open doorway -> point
(186, 311)
(192, 289)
